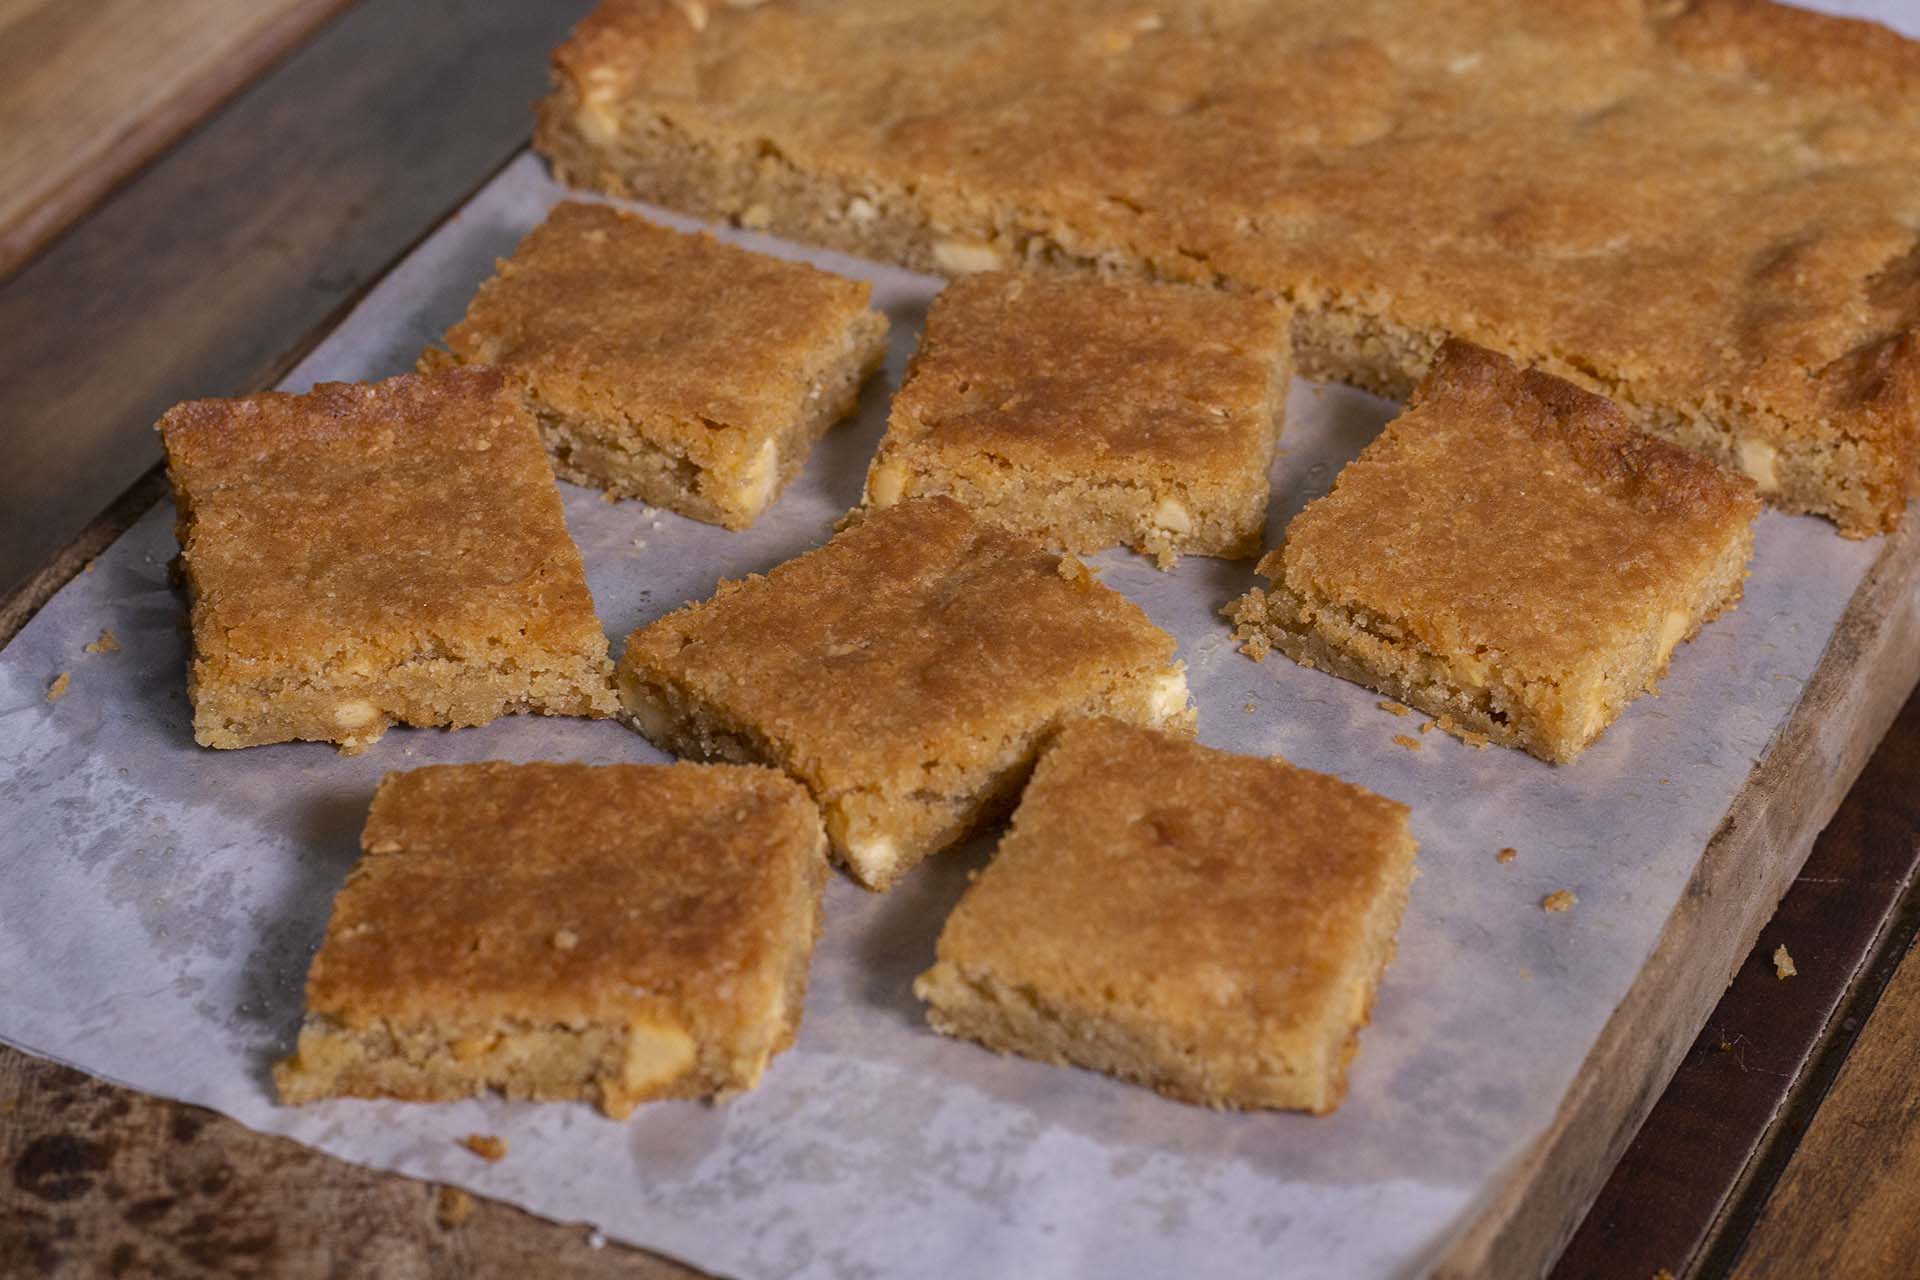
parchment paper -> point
(159, 904)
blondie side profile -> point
(1546, 559)
(614, 934)
(368, 555)
(1212, 925)
(907, 672)
(1703, 209)
(672, 368)
(1086, 415)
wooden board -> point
(1870, 665)
(104, 1181)
(91, 89)
(1685, 1195)
(219, 266)
(1849, 1203)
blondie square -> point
(616, 934)
(1208, 924)
(907, 672)
(1086, 415)
(365, 555)
(1509, 556)
(667, 367)
(1703, 209)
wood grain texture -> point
(232, 249)
(1866, 674)
(102, 1181)
(1849, 1203)
(1681, 1196)
(90, 89)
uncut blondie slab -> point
(365, 555)
(671, 368)
(1544, 558)
(1086, 414)
(615, 934)
(1704, 209)
(907, 672)
(1212, 925)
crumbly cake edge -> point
(1011, 1016)
(445, 1059)
(341, 704)
(1081, 515)
(1227, 521)
(1320, 634)
(1859, 475)
(625, 458)
(355, 711)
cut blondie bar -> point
(1087, 415)
(907, 672)
(1509, 556)
(365, 555)
(672, 368)
(1212, 925)
(1705, 209)
(615, 934)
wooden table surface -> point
(1786, 1145)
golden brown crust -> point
(906, 672)
(1225, 918)
(1128, 377)
(1793, 45)
(1087, 414)
(371, 547)
(518, 926)
(671, 881)
(1688, 210)
(1546, 557)
(647, 340)
(1477, 390)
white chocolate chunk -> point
(656, 1055)
(1171, 515)
(1761, 462)
(963, 257)
(596, 120)
(763, 473)
(873, 856)
(887, 484)
(1671, 630)
(1169, 696)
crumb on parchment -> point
(1478, 741)
(1402, 740)
(1559, 900)
(1783, 963)
(454, 1207)
(58, 689)
(107, 643)
(1395, 708)
(1506, 855)
(486, 1145)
